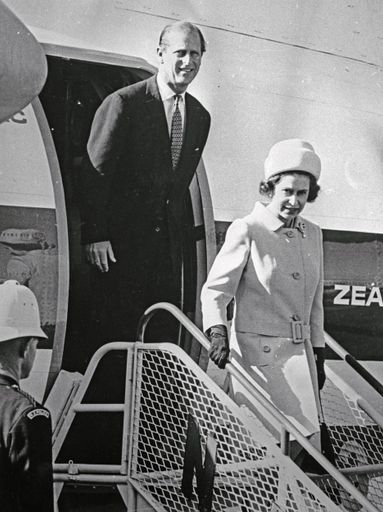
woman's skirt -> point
(279, 368)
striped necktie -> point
(176, 133)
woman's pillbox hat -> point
(292, 155)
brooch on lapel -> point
(302, 229)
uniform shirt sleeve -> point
(30, 454)
(225, 274)
(317, 314)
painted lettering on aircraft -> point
(18, 118)
(355, 295)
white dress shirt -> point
(168, 100)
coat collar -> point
(7, 380)
(264, 215)
(165, 91)
(153, 93)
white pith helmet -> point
(19, 312)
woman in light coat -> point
(272, 265)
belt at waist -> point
(300, 331)
(296, 330)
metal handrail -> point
(351, 361)
(239, 373)
(114, 474)
(79, 407)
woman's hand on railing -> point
(219, 350)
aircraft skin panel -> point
(341, 27)
(33, 240)
(25, 178)
(344, 28)
(309, 96)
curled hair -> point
(267, 188)
(183, 25)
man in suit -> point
(145, 144)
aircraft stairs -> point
(167, 399)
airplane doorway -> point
(70, 98)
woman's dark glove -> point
(320, 359)
(219, 345)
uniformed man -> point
(26, 479)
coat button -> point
(296, 275)
(266, 348)
(290, 234)
(296, 318)
(157, 229)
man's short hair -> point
(187, 26)
(15, 347)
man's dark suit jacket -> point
(137, 195)
(129, 146)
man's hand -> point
(99, 254)
(219, 349)
(320, 359)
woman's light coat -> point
(275, 275)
